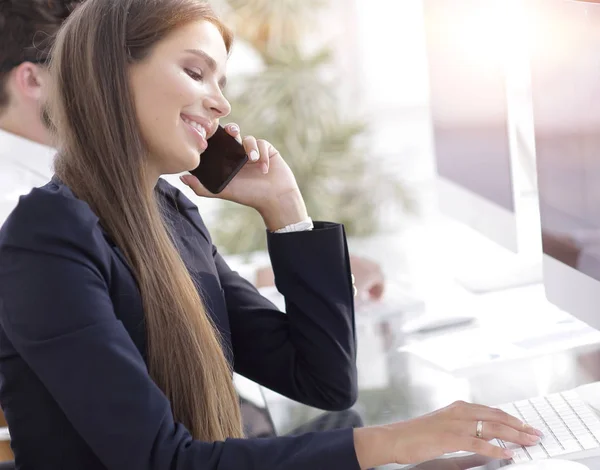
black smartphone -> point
(220, 162)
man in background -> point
(26, 27)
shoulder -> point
(51, 219)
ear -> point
(28, 79)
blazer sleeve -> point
(56, 310)
(308, 353)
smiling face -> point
(178, 96)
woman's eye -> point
(194, 75)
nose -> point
(217, 104)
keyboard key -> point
(571, 445)
(578, 428)
(520, 455)
(511, 446)
(591, 423)
(541, 400)
(588, 442)
(537, 452)
(552, 447)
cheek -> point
(162, 96)
(185, 90)
(159, 102)
(175, 92)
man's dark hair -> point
(27, 31)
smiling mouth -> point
(201, 130)
(198, 130)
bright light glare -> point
(499, 33)
(482, 34)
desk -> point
(474, 462)
(396, 385)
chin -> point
(182, 165)
(192, 166)
(190, 161)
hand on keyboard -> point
(454, 428)
(570, 427)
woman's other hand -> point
(266, 183)
(369, 279)
(448, 430)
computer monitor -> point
(483, 135)
(566, 95)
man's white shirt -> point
(24, 165)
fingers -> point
(492, 430)
(454, 443)
(251, 148)
(481, 447)
(499, 416)
(196, 185)
(491, 415)
(258, 151)
(263, 148)
(234, 131)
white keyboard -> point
(571, 428)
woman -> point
(120, 322)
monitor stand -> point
(480, 265)
(519, 273)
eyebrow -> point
(212, 63)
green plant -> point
(292, 104)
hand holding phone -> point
(220, 162)
(265, 182)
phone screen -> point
(220, 162)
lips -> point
(198, 131)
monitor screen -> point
(565, 69)
(468, 96)
(566, 97)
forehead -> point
(202, 35)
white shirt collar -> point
(24, 165)
(26, 154)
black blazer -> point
(74, 383)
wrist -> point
(374, 446)
(284, 210)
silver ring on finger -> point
(479, 430)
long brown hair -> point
(102, 159)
